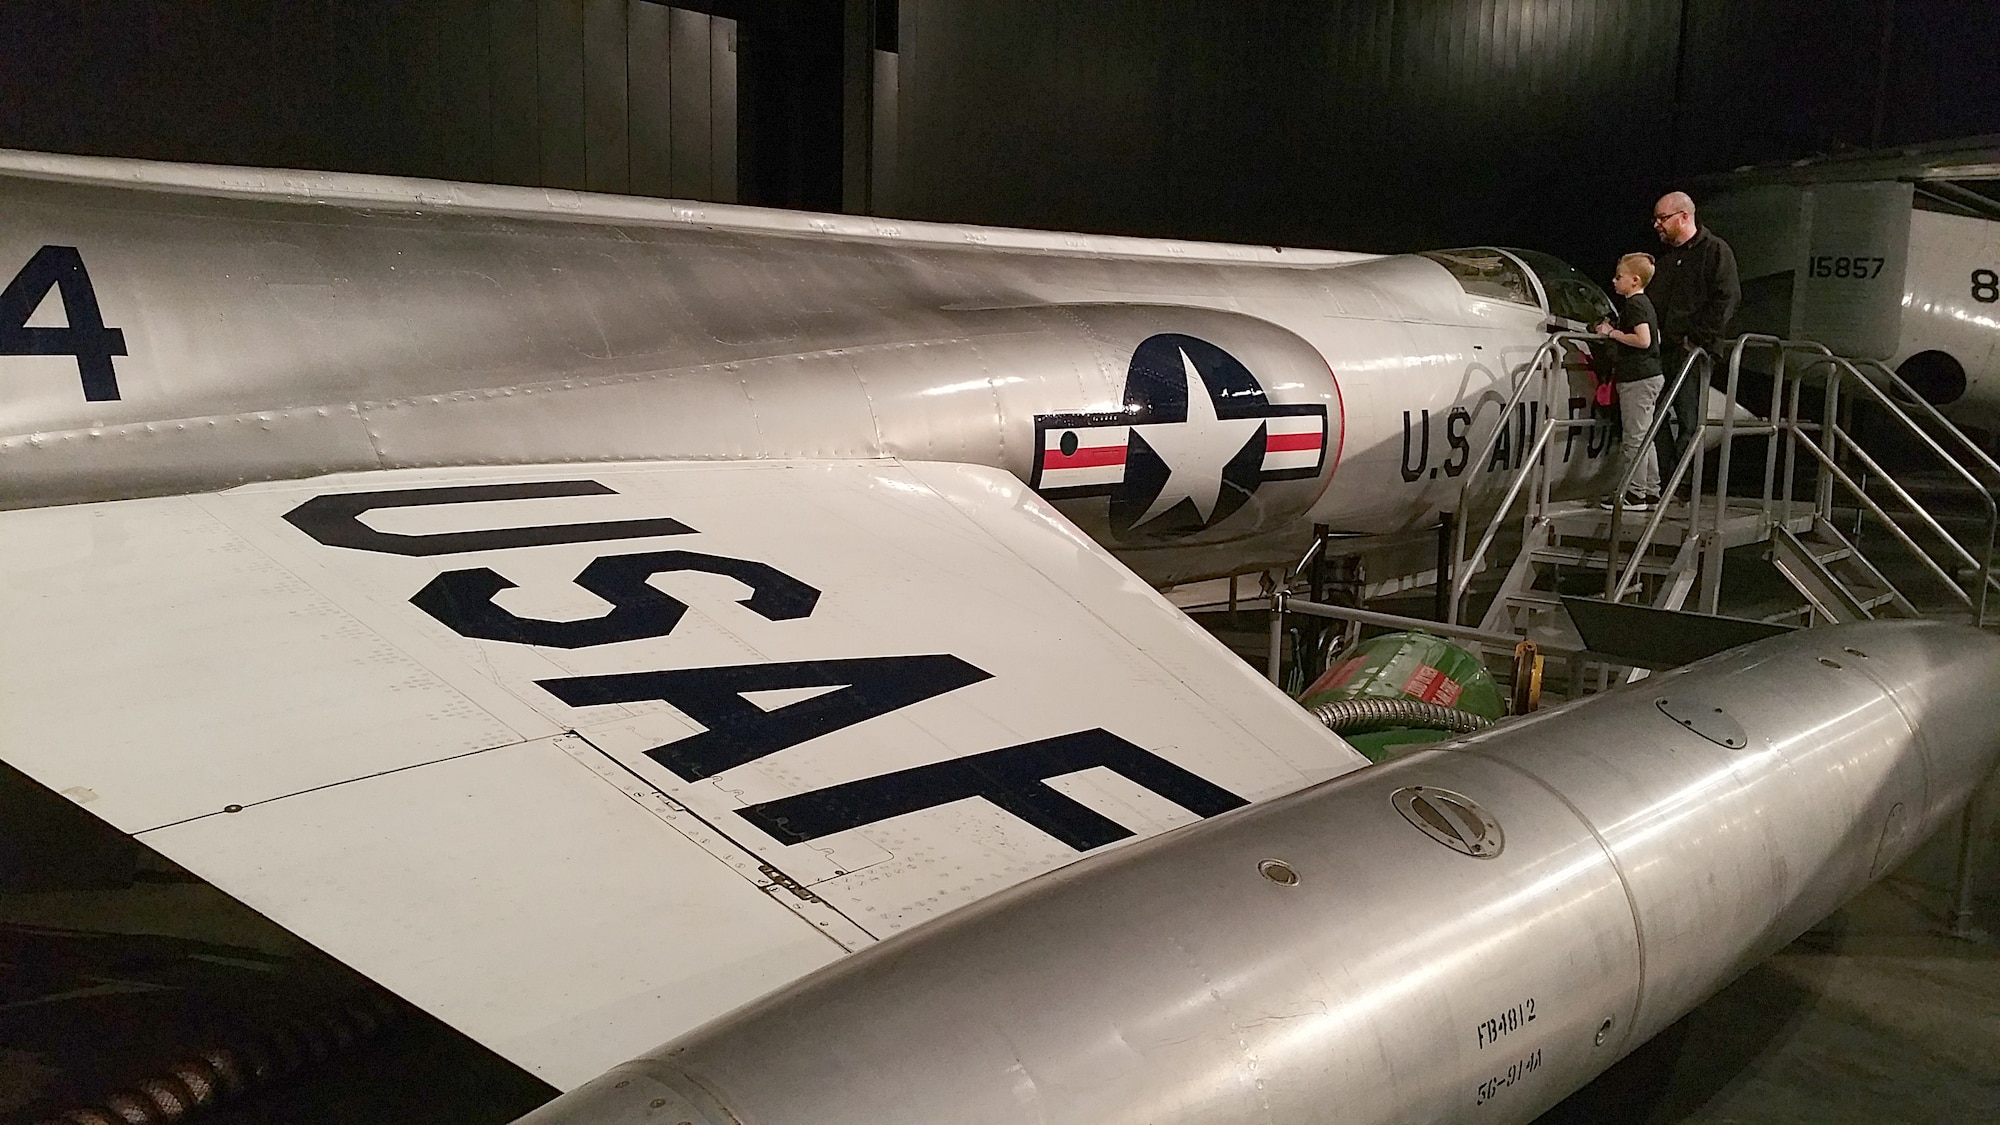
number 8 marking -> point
(1985, 286)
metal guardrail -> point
(1282, 604)
(1826, 443)
(1669, 484)
(1534, 375)
(1836, 438)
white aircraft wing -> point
(578, 757)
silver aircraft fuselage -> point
(1464, 935)
(276, 325)
(1326, 957)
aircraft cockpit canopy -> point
(1572, 296)
(1483, 271)
(1528, 278)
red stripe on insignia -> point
(1084, 458)
(1285, 443)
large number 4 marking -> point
(86, 338)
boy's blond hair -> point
(1639, 266)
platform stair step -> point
(1836, 580)
(1824, 548)
(1874, 600)
(1594, 558)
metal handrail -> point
(1528, 371)
(1396, 621)
(1667, 392)
(1937, 416)
(1306, 560)
(1831, 436)
(1728, 443)
(1889, 524)
(1910, 502)
(1985, 562)
(1897, 410)
(1538, 365)
(1985, 493)
(1663, 407)
(1711, 577)
(1645, 539)
(1534, 452)
(1786, 427)
(1786, 422)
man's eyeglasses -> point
(1658, 219)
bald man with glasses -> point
(1696, 291)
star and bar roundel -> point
(1196, 438)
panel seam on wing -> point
(228, 810)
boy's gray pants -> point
(1636, 402)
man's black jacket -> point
(1695, 289)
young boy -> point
(1636, 369)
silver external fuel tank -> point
(1467, 934)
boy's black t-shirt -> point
(1630, 364)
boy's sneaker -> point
(1634, 502)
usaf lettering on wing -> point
(737, 732)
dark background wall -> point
(1384, 124)
(1398, 124)
(1377, 124)
(606, 95)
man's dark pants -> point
(1685, 411)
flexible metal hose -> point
(220, 1071)
(1354, 716)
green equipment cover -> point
(1408, 666)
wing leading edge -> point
(579, 757)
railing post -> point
(1551, 370)
(1829, 427)
(1697, 439)
(1611, 538)
(1458, 563)
(1711, 576)
(1793, 417)
(1978, 811)
(1274, 663)
(1440, 600)
(1777, 432)
(1728, 430)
